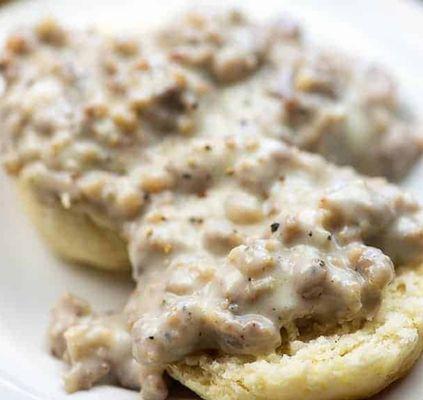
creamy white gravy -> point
(181, 141)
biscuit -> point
(74, 235)
(342, 365)
(345, 364)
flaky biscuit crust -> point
(73, 235)
(343, 365)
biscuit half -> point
(346, 364)
(74, 235)
(343, 365)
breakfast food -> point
(272, 242)
(344, 364)
(347, 362)
(78, 107)
(75, 236)
(284, 86)
(90, 103)
(258, 265)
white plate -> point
(31, 280)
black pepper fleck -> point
(274, 227)
(329, 237)
(310, 234)
(186, 176)
(196, 220)
(151, 337)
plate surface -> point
(31, 279)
